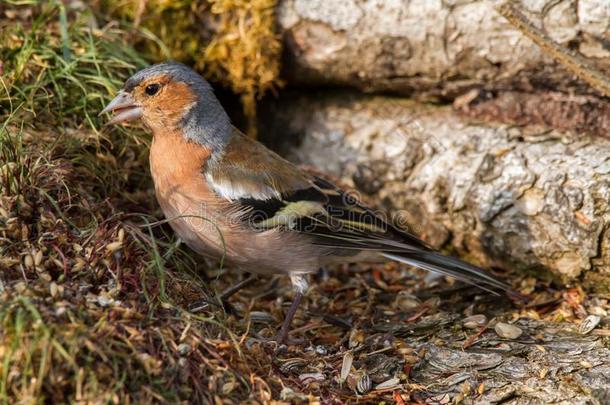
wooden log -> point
(437, 49)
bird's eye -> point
(152, 89)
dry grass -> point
(97, 301)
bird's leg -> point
(282, 335)
(229, 292)
(224, 297)
(299, 282)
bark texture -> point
(504, 196)
(436, 48)
(561, 111)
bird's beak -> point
(124, 108)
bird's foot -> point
(223, 297)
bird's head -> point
(170, 96)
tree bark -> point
(502, 196)
(437, 49)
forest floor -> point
(100, 304)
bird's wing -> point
(268, 192)
(249, 170)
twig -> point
(574, 62)
(472, 339)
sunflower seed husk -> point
(348, 359)
(474, 321)
(261, 317)
(292, 365)
(392, 382)
(311, 377)
(364, 384)
(356, 337)
(507, 331)
(53, 289)
(114, 246)
(588, 324)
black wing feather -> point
(341, 222)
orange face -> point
(160, 101)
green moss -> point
(597, 282)
(232, 42)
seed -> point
(348, 359)
(53, 289)
(474, 321)
(406, 301)
(25, 232)
(588, 324)
(261, 317)
(37, 257)
(364, 384)
(392, 382)
(507, 331)
(114, 246)
(292, 365)
(20, 287)
(103, 301)
(79, 265)
(228, 387)
(356, 337)
(28, 261)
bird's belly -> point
(206, 229)
(192, 221)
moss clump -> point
(597, 282)
(245, 50)
(232, 42)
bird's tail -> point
(450, 266)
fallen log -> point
(524, 197)
(437, 50)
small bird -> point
(228, 196)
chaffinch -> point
(228, 196)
